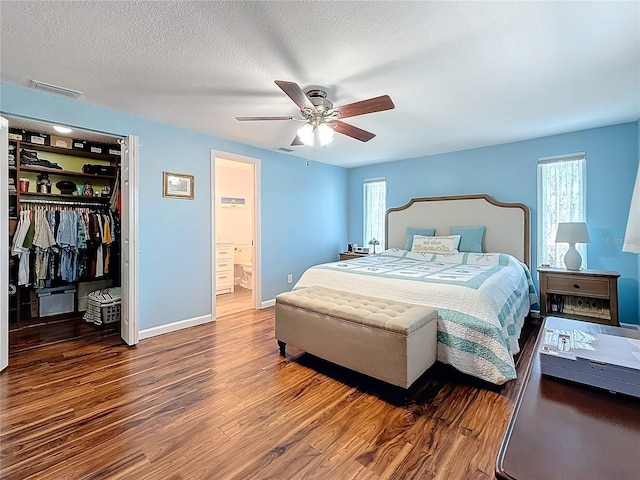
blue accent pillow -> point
(427, 232)
(470, 238)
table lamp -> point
(374, 242)
(572, 233)
(632, 235)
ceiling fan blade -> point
(353, 132)
(296, 94)
(377, 104)
(296, 142)
(251, 119)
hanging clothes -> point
(106, 240)
(43, 241)
(67, 245)
(99, 251)
(19, 249)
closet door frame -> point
(257, 240)
(129, 230)
(129, 326)
(4, 243)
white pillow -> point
(424, 244)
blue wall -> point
(638, 167)
(508, 173)
(305, 209)
(303, 217)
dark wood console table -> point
(563, 430)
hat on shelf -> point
(66, 187)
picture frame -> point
(177, 185)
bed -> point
(482, 297)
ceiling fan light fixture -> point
(320, 115)
(325, 134)
(305, 133)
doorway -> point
(235, 231)
(49, 308)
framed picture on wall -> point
(177, 185)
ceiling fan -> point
(321, 117)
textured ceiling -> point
(461, 74)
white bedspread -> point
(482, 300)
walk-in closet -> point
(64, 234)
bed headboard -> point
(507, 224)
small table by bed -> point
(562, 430)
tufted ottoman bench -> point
(391, 341)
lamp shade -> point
(632, 234)
(572, 232)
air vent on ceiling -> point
(283, 149)
(47, 87)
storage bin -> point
(38, 138)
(17, 134)
(62, 142)
(82, 145)
(57, 300)
(97, 148)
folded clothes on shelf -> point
(29, 157)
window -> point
(375, 207)
(561, 198)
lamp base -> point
(572, 259)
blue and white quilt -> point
(481, 298)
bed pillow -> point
(427, 232)
(424, 244)
(470, 238)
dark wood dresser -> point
(563, 430)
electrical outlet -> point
(289, 278)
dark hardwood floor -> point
(34, 333)
(217, 401)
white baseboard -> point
(174, 327)
(634, 326)
(268, 303)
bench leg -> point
(282, 346)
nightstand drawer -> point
(351, 255)
(578, 286)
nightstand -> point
(351, 255)
(587, 295)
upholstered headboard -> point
(507, 224)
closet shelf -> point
(66, 151)
(66, 173)
(63, 195)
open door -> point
(4, 243)
(227, 159)
(129, 235)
